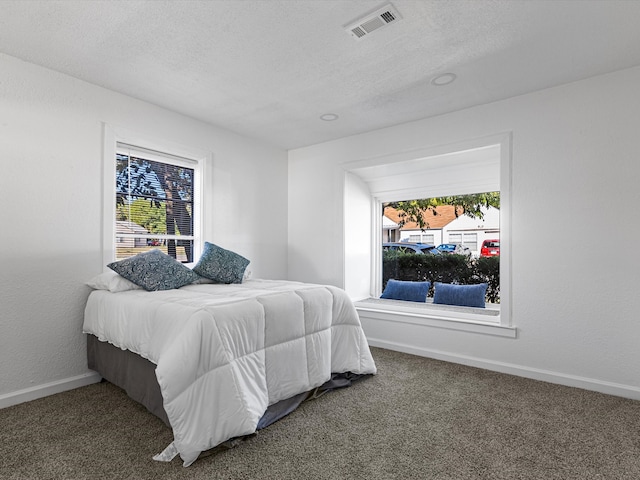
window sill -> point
(476, 320)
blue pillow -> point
(462, 295)
(154, 270)
(404, 290)
(220, 265)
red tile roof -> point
(438, 218)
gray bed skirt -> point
(137, 377)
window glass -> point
(154, 203)
(453, 225)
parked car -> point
(420, 248)
(454, 248)
(490, 248)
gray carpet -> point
(417, 419)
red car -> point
(490, 248)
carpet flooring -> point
(417, 419)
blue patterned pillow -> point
(220, 265)
(154, 270)
(462, 295)
(404, 290)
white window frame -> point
(403, 165)
(195, 159)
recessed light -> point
(444, 79)
(329, 117)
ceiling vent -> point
(374, 21)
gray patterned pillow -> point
(220, 265)
(154, 270)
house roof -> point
(129, 227)
(438, 218)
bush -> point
(457, 269)
(488, 270)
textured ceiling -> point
(269, 68)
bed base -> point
(137, 377)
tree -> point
(148, 215)
(178, 189)
(470, 205)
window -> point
(481, 165)
(154, 201)
(459, 219)
(152, 198)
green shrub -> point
(488, 270)
(457, 269)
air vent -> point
(372, 22)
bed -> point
(217, 362)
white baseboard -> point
(609, 388)
(39, 391)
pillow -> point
(220, 265)
(462, 295)
(112, 282)
(403, 290)
(154, 270)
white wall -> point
(358, 243)
(574, 162)
(51, 215)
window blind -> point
(154, 201)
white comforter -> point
(224, 353)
